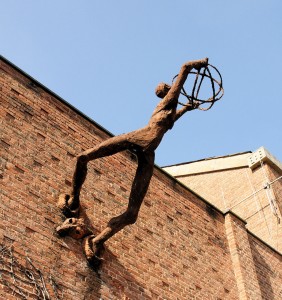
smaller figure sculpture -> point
(75, 228)
(143, 143)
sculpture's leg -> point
(92, 244)
(69, 203)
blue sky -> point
(106, 57)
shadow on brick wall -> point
(264, 273)
(119, 282)
(112, 280)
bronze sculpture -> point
(143, 142)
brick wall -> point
(274, 175)
(268, 269)
(178, 249)
(222, 188)
(242, 259)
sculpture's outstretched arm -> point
(182, 76)
(174, 92)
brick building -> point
(249, 184)
(182, 246)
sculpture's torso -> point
(150, 136)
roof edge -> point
(205, 159)
(234, 161)
(42, 86)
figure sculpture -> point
(143, 142)
(75, 228)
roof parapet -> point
(235, 161)
(210, 165)
(262, 155)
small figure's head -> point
(73, 227)
(162, 89)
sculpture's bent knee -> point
(131, 217)
(82, 158)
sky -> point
(106, 58)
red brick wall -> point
(268, 269)
(177, 249)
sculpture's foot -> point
(63, 204)
(93, 251)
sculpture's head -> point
(162, 89)
(73, 227)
